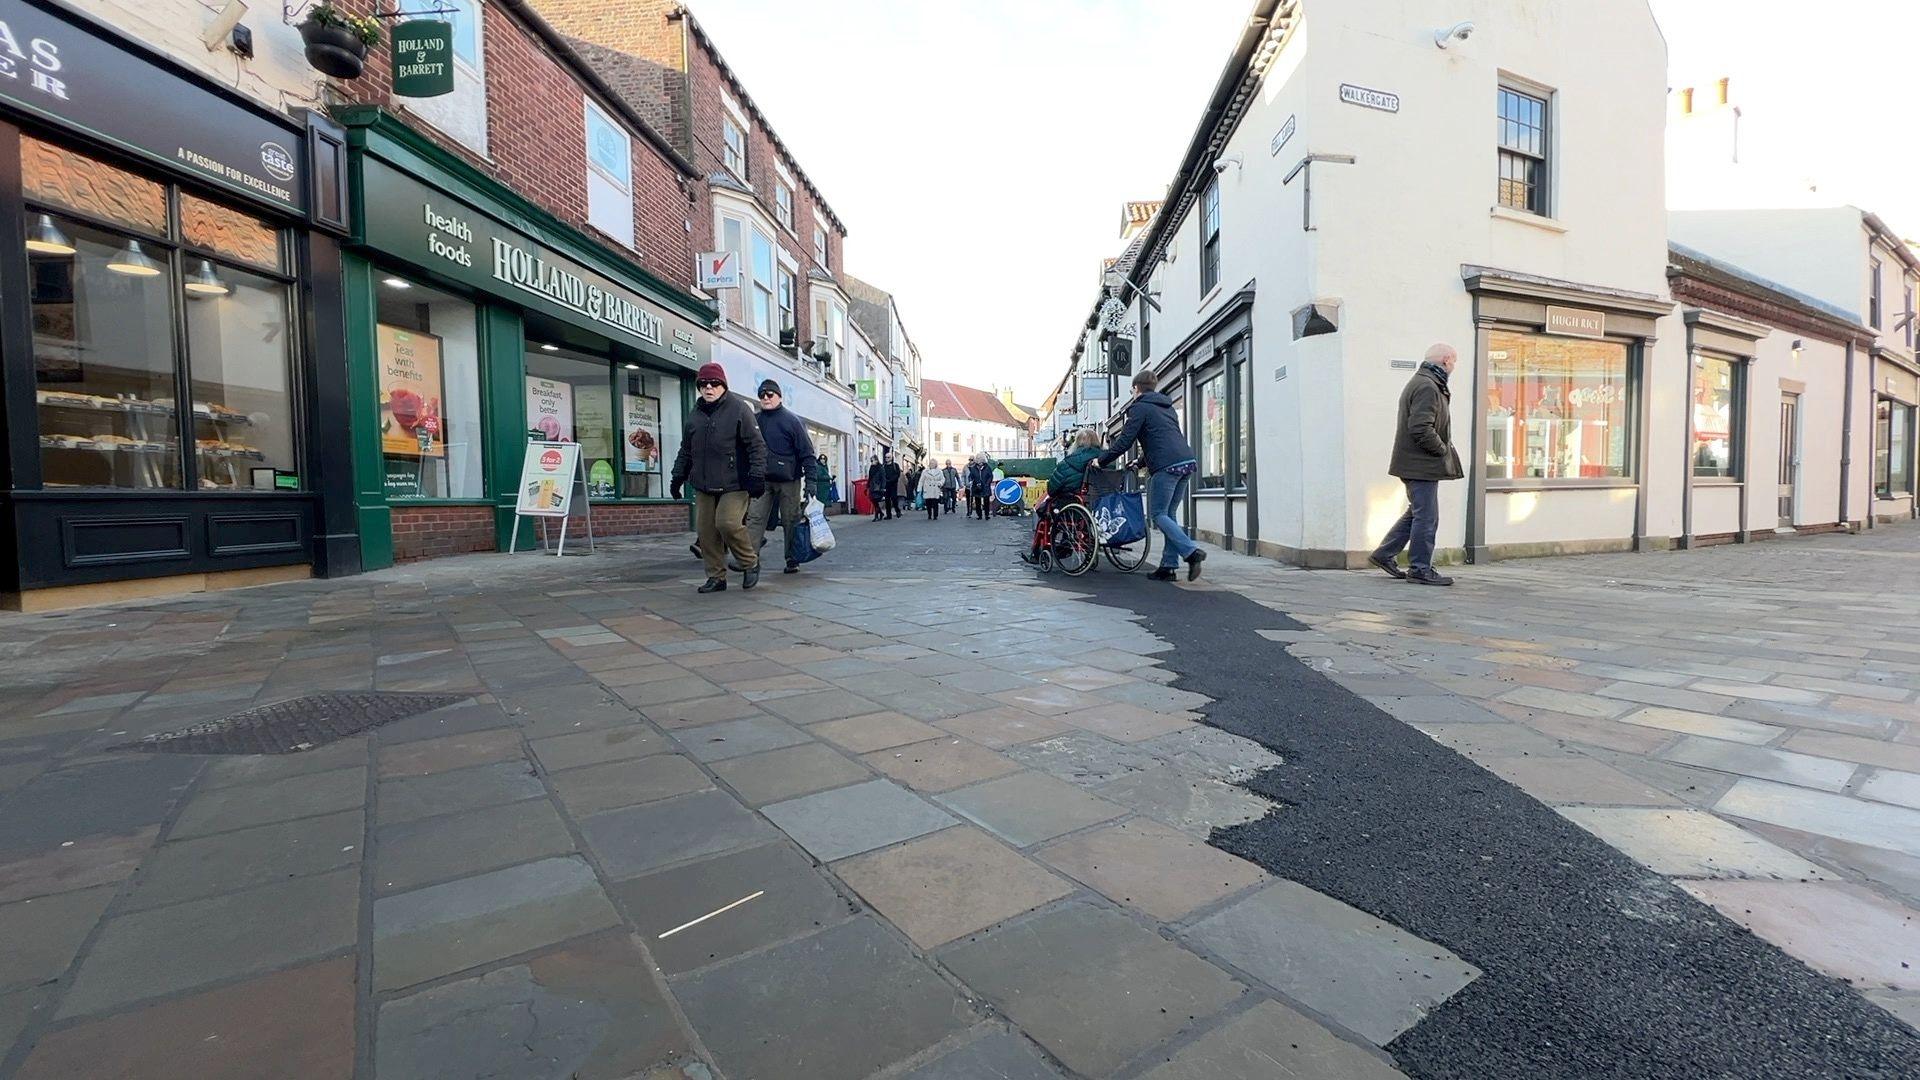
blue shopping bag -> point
(1120, 517)
(800, 547)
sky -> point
(979, 153)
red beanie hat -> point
(712, 372)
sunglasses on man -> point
(769, 393)
(704, 383)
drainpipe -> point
(1846, 447)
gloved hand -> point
(678, 490)
(756, 487)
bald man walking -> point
(1423, 455)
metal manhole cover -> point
(288, 727)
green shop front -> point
(476, 322)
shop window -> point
(1242, 394)
(241, 353)
(651, 421)
(1557, 408)
(428, 370)
(1210, 408)
(609, 176)
(783, 204)
(1892, 448)
(734, 150)
(1716, 417)
(1523, 151)
(1210, 237)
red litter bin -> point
(862, 502)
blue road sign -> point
(1008, 492)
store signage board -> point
(719, 270)
(864, 388)
(550, 478)
(1576, 322)
(1369, 99)
(67, 72)
(423, 58)
(411, 219)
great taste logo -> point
(277, 160)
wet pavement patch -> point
(291, 726)
(1592, 966)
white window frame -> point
(734, 158)
(820, 247)
(603, 187)
(783, 204)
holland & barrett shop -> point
(477, 321)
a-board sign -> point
(547, 479)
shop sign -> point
(550, 409)
(423, 58)
(411, 391)
(640, 425)
(80, 77)
(864, 388)
(1284, 135)
(547, 479)
(428, 226)
(719, 270)
(1369, 99)
(1576, 322)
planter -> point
(334, 50)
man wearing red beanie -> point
(723, 458)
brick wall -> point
(536, 142)
(427, 532)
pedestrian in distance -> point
(949, 485)
(933, 484)
(877, 488)
(904, 486)
(890, 483)
(822, 476)
(1152, 425)
(1423, 455)
(724, 459)
(976, 479)
(789, 451)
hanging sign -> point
(547, 479)
(719, 270)
(423, 58)
(864, 388)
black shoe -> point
(1392, 568)
(792, 567)
(1193, 563)
(695, 548)
(1165, 573)
(751, 578)
(1429, 576)
(714, 584)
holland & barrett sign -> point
(423, 58)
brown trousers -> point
(722, 523)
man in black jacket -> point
(877, 488)
(1423, 455)
(789, 449)
(890, 474)
(723, 458)
(1152, 424)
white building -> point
(961, 421)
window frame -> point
(1210, 237)
(622, 188)
(821, 247)
(1736, 469)
(786, 297)
(1884, 460)
(1874, 275)
(1540, 201)
(1635, 382)
(733, 158)
(783, 205)
(751, 287)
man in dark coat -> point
(890, 473)
(1151, 423)
(724, 460)
(979, 486)
(877, 488)
(789, 452)
(1423, 455)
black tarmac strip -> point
(1593, 965)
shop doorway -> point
(1789, 456)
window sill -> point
(1611, 483)
(1212, 295)
(1523, 217)
(1719, 481)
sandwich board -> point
(551, 478)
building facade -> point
(961, 421)
(897, 406)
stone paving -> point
(1744, 718)
(910, 814)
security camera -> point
(1459, 31)
(1220, 166)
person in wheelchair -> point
(1065, 485)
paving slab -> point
(190, 869)
(1191, 802)
(940, 764)
(1368, 976)
(449, 752)
(226, 771)
(1084, 758)
(38, 938)
(1128, 723)
(627, 741)
(1843, 929)
(1691, 843)
(825, 705)
(847, 821)
(1003, 727)
(1765, 763)
(296, 1023)
(674, 909)
(999, 1055)
(443, 929)
(1891, 755)
(636, 839)
(1049, 699)
(878, 731)
(226, 809)
(1211, 752)
(1892, 786)
(412, 798)
(951, 883)
(21, 1009)
(1271, 1041)
(1091, 985)
(1151, 867)
(840, 1003)
(148, 954)
(81, 864)
(109, 798)
(1570, 779)
(702, 711)
(1857, 821)
(1028, 807)
(1686, 721)
(596, 789)
(738, 738)
(1759, 692)
(783, 774)
(589, 1011)
(415, 853)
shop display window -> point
(119, 280)
(1557, 408)
(1892, 448)
(1715, 416)
(428, 392)
(627, 419)
(1211, 404)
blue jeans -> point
(1417, 527)
(1163, 493)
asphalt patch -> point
(1593, 965)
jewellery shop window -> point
(1557, 408)
(626, 419)
(125, 272)
(428, 367)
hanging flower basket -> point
(337, 42)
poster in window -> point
(411, 391)
(593, 420)
(642, 428)
(550, 409)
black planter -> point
(334, 50)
